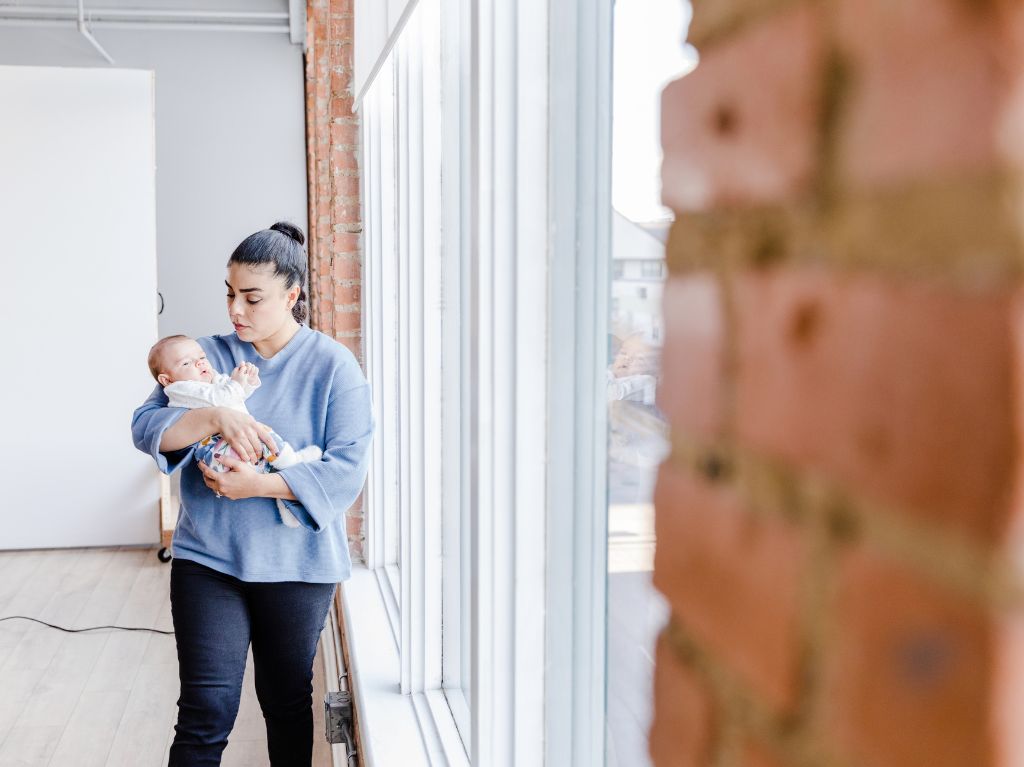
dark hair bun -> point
(291, 230)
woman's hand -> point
(244, 434)
(241, 481)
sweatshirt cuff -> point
(172, 460)
(304, 517)
(313, 509)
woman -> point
(239, 575)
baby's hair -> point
(157, 350)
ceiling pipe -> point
(291, 23)
(88, 35)
(98, 14)
(297, 22)
(158, 26)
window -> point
(419, 340)
(488, 371)
(384, 484)
(648, 54)
(652, 270)
(459, 339)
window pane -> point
(389, 309)
(648, 53)
(458, 381)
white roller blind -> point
(378, 25)
(78, 216)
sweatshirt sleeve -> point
(149, 422)
(327, 488)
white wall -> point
(77, 215)
(230, 145)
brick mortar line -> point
(739, 714)
(944, 557)
(817, 621)
(961, 230)
(796, 734)
(730, 347)
(835, 92)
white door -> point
(78, 313)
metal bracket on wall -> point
(88, 35)
(340, 720)
(297, 22)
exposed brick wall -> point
(839, 528)
(335, 223)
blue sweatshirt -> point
(312, 392)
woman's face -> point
(259, 303)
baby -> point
(179, 364)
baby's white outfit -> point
(223, 391)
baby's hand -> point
(246, 373)
(252, 372)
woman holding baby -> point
(240, 574)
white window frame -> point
(382, 529)
(580, 77)
(458, 333)
(521, 255)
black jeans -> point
(215, 617)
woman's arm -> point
(167, 433)
(243, 481)
(149, 422)
(325, 489)
(274, 486)
(193, 426)
(317, 492)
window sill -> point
(411, 730)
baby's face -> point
(184, 360)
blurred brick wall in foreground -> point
(335, 219)
(839, 525)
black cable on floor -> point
(90, 628)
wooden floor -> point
(102, 699)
